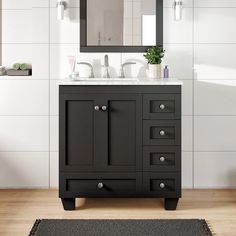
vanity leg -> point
(68, 204)
(171, 203)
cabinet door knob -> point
(162, 106)
(100, 185)
(162, 132)
(162, 185)
(96, 108)
(104, 108)
(162, 159)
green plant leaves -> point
(154, 55)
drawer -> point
(161, 158)
(166, 185)
(163, 132)
(100, 185)
(161, 106)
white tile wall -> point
(54, 170)
(24, 133)
(215, 133)
(216, 169)
(215, 25)
(178, 31)
(17, 26)
(209, 66)
(32, 101)
(24, 169)
(215, 97)
(205, 40)
(187, 169)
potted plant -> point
(154, 56)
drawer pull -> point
(100, 185)
(96, 108)
(162, 159)
(162, 133)
(162, 107)
(104, 108)
(162, 185)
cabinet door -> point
(76, 132)
(100, 140)
(124, 133)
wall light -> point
(178, 7)
(61, 6)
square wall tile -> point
(215, 170)
(215, 3)
(214, 25)
(208, 65)
(215, 133)
(24, 133)
(97, 60)
(187, 133)
(214, 97)
(40, 25)
(16, 4)
(179, 57)
(54, 98)
(12, 23)
(24, 97)
(67, 30)
(54, 170)
(59, 64)
(24, 170)
(187, 169)
(54, 133)
(178, 31)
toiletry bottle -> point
(166, 72)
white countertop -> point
(120, 81)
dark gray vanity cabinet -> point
(120, 141)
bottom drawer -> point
(99, 185)
(166, 185)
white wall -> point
(204, 40)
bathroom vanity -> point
(120, 138)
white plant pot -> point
(154, 71)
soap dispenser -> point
(166, 72)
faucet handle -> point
(122, 73)
(90, 66)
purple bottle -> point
(166, 72)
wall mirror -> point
(120, 25)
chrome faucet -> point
(122, 73)
(90, 66)
(106, 67)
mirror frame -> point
(83, 33)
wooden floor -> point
(20, 208)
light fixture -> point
(178, 6)
(61, 6)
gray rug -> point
(120, 228)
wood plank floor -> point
(20, 208)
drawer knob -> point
(162, 132)
(162, 106)
(162, 159)
(162, 185)
(100, 185)
(96, 108)
(104, 108)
